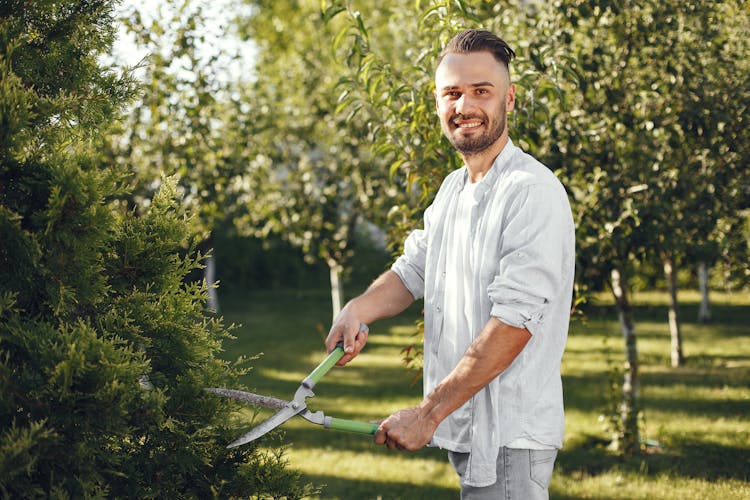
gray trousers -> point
(521, 475)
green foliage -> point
(392, 59)
(392, 87)
(184, 122)
(621, 423)
(615, 98)
(321, 179)
(646, 140)
(647, 154)
(105, 345)
(247, 263)
(48, 49)
(265, 156)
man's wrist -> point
(429, 410)
(350, 309)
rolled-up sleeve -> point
(410, 266)
(531, 262)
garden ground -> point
(694, 420)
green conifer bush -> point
(105, 345)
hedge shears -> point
(298, 405)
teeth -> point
(468, 125)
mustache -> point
(461, 116)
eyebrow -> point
(474, 85)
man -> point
(494, 264)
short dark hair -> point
(469, 41)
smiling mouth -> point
(463, 123)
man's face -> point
(473, 95)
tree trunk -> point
(206, 247)
(628, 439)
(209, 274)
(704, 312)
(670, 272)
(337, 287)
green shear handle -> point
(298, 406)
(340, 424)
(320, 371)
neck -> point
(478, 164)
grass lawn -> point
(698, 415)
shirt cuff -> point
(412, 280)
(518, 309)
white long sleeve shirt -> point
(520, 237)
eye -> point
(481, 91)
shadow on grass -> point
(697, 460)
(317, 441)
(701, 407)
(722, 314)
(693, 378)
(591, 392)
(364, 489)
(313, 437)
(585, 392)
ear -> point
(510, 98)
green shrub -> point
(105, 346)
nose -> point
(463, 104)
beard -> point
(475, 144)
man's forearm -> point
(385, 297)
(489, 355)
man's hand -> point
(489, 355)
(348, 328)
(386, 297)
(407, 429)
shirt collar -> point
(489, 180)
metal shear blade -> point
(269, 424)
(298, 406)
(295, 407)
